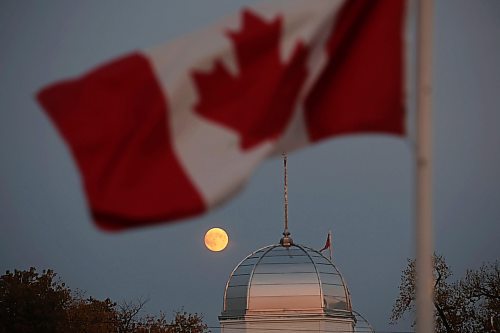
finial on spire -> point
(286, 240)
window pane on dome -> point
(250, 261)
(334, 290)
(322, 260)
(259, 252)
(316, 254)
(361, 324)
(244, 269)
(296, 278)
(284, 303)
(330, 278)
(286, 268)
(239, 280)
(285, 252)
(234, 304)
(335, 303)
(236, 291)
(257, 256)
(284, 259)
(328, 268)
(284, 290)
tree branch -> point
(440, 311)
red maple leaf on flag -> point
(259, 101)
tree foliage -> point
(470, 304)
(184, 322)
(32, 302)
(91, 315)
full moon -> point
(216, 239)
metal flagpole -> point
(424, 233)
(285, 193)
(286, 241)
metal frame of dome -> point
(287, 280)
(362, 325)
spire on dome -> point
(286, 240)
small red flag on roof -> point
(328, 244)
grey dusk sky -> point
(360, 187)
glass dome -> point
(279, 279)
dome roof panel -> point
(283, 250)
(245, 269)
(284, 260)
(285, 268)
(333, 290)
(336, 303)
(278, 278)
(278, 290)
(285, 303)
(237, 305)
(329, 278)
(362, 325)
(292, 278)
(239, 280)
(237, 291)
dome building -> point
(290, 288)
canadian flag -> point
(169, 132)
